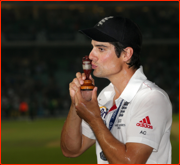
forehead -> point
(98, 43)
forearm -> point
(71, 136)
(114, 150)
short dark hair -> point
(135, 59)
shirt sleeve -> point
(150, 120)
(87, 131)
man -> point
(131, 119)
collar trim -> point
(133, 85)
(128, 93)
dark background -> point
(42, 50)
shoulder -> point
(149, 88)
(154, 102)
(152, 97)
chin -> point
(98, 74)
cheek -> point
(106, 58)
(110, 62)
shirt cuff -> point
(143, 141)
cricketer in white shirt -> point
(142, 114)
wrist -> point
(95, 121)
(74, 113)
(72, 104)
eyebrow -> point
(101, 46)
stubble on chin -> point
(98, 73)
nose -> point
(92, 55)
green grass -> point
(175, 117)
(175, 139)
(37, 142)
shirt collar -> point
(128, 93)
(106, 95)
(133, 85)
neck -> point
(121, 79)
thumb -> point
(90, 77)
(94, 94)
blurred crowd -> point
(35, 80)
(41, 78)
(40, 81)
(61, 22)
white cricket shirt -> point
(142, 114)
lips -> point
(94, 66)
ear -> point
(128, 52)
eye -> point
(101, 49)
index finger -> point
(79, 95)
(80, 77)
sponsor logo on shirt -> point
(102, 156)
(122, 111)
(145, 123)
(124, 107)
(104, 111)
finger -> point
(76, 100)
(79, 95)
(76, 82)
(73, 86)
(94, 94)
(79, 77)
(83, 76)
(90, 77)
